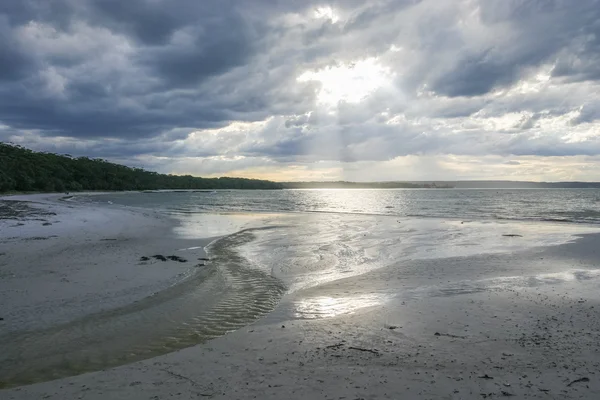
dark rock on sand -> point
(512, 235)
(177, 258)
(579, 380)
(40, 238)
(160, 257)
(373, 351)
(449, 335)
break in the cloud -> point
(361, 90)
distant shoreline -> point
(441, 185)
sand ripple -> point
(221, 297)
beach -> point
(516, 318)
(62, 261)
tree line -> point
(24, 170)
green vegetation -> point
(24, 170)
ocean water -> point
(560, 205)
(283, 249)
(310, 237)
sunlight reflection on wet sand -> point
(327, 307)
(333, 306)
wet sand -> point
(75, 277)
(521, 324)
(63, 260)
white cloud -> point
(328, 13)
(359, 89)
(349, 82)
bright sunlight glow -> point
(350, 82)
(326, 13)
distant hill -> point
(440, 185)
(363, 185)
(517, 185)
(25, 170)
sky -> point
(306, 90)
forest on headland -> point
(24, 170)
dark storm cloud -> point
(82, 117)
(543, 31)
(21, 12)
(213, 38)
(149, 72)
(150, 22)
(476, 76)
(212, 51)
(14, 62)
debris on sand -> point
(40, 237)
(21, 210)
(203, 259)
(579, 380)
(449, 335)
(160, 257)
(365, 350)
(486, 376)
(177, 258)
(512, 235)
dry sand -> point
(523, 325)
